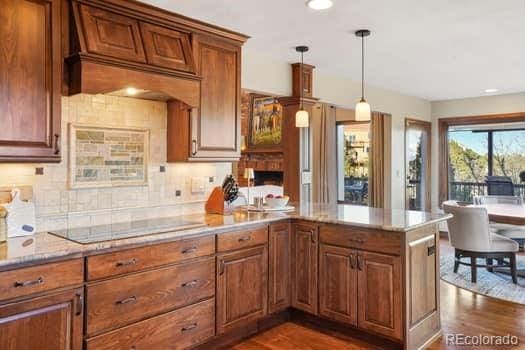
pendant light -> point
(362, 108)
(302, 119)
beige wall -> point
(261, 73)
(468, 107)
(58, 206)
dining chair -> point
(499, 185)
(470, 235)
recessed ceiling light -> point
(489, 91)
(132, 91)
(319, 4)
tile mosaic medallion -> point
(108, 157)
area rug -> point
(496, 285)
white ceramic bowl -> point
(277, 202)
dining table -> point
(510, 214)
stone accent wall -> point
(59, 206)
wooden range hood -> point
(115, 44)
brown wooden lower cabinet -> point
(242, 287)
(179, 329)
(379, 293)
(52, 322)
(279, 267)
(304, 267)
(362, 289)
(338, 284)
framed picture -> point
(107, 157)
(265, 123)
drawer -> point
(120, 301)
(242, 239)
(361, 238)
(180, 329)
(29, 280)
(132, 260)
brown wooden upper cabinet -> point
(167, 48)
(30, 80)
(304, 267)
(110, 34)
(211, 132)
(52, 322)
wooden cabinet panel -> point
(167, 48)
(30, 80)
(132, 260)
(279, 256)
(53, 322)
(118, 302)
(304, 267)
(40, 278)
(361, 238)
(215, 130)
(338, 284)
(379, 293)
(242, 239)
(110, 34)
(241, 287)
(422, 277)
(180, 329)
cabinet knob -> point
(221, 267)
(80, 304)
(352, 262)
(359, 262)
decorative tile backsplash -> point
(59, 206)
(106, 157)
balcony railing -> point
(466, 191)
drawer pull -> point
(189, 250)
(127, 263)
(352, 262)
(244, 239)
(80, 304)
(356, 240)
(190, 284)
(359, 262)
(127, 300)
(133, 347)
(312, 237)
(189, 328)
(39, 280)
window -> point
(353, 152)
(479, 151)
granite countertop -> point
(45, 246)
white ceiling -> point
(433, 49)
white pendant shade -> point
(319, 4)
(302, 119)
(362, 111)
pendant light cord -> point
(362, 67)
(301, 80)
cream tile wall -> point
(60, 207)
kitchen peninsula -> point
(360, 270)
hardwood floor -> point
(462, 312)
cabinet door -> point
(215, 130)
(167, 48)
(379, 290)
(279, 267)
(242, 287)
(51, 322)
(111, 34)
(304, 271)
(30, 80)
(338, 283)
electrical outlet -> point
(162, 169)
(39, 171)
(197, 185)
(211, 179)
(306, 177)
(178, 193)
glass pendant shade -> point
(302, 119)
(362, 111)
